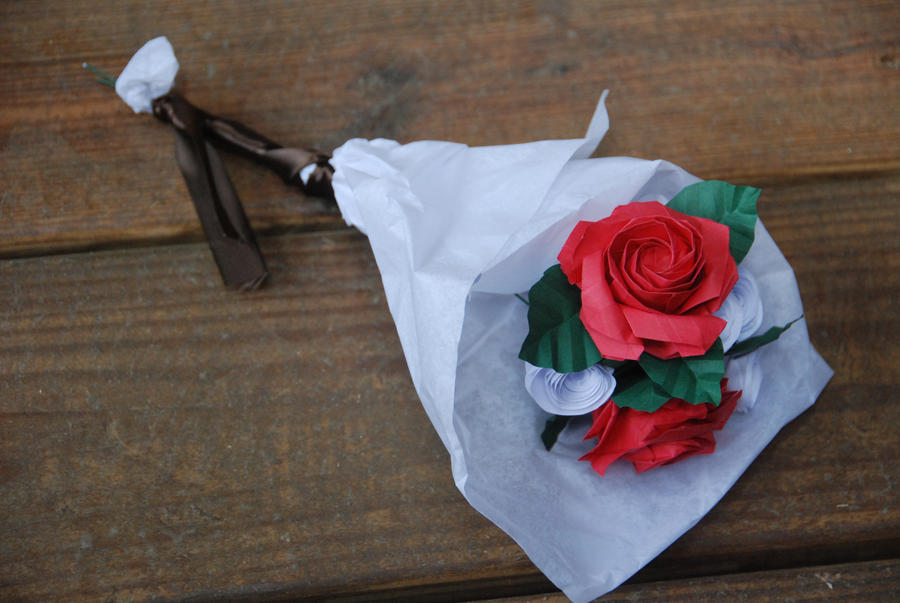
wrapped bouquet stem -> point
(659, 348)
(146, 86)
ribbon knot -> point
(227, 229)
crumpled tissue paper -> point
(456, 231)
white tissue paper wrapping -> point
(148, 75)
(455, 232)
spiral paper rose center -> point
(656, 264)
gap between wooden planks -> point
(872, 581)
(161, 436)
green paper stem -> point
(105, 78)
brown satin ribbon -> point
(287, 162)
(221, 214)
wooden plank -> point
(870, 581)
(725, 89)
(161, 436)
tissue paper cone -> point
(457, 230)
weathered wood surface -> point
(728, 90)
(871, 581)
(163, 437)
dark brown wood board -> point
(164, 438)
(727, 90)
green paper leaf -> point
(556, 337)
(634, 389)
(614, 364)
(742, 348)
(552, 428)
(733, 206)
(695, 379)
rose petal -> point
(705, 418)
(720, 270)
(603, 317)
(649, 439)
(613, 438)
(655, 265)
(639, 210)
(569, 259)
(656, 455)
(672, 417)
(618, 432)
(587, 238)
(667, 336)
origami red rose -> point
(675, 431)
(650, 279)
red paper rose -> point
(650, 279)
(675, 431)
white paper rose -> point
(569, 394)
(745, 374)
(742, 310)
(148, 75)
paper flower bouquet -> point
(655, 305)
(657, 289)
(659, 275)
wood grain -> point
(163, 437)
(728, 90)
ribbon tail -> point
(287, 162)
(225, 225)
